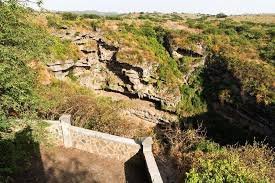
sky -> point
(167, 6)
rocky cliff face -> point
(99, 69)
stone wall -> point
(105, 145)
(55, 130)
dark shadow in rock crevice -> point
(186, 52)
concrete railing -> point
(150, 160)
(105, 145)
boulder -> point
(83, 63)
(130, 73)
(61, 66)
(92, 58)
(80, 41)
(78, 71)
(87, 50)
(92, 80)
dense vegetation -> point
(17, 47)
(238, 75)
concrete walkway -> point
(59, 165)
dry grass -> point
(43, 75)
(174, 25)
(89, 110)
(102, 114)
(39, 19)
(258, 158)
(181, 38)
(173, 148)
(91, 44)
(260, 18)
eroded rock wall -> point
(99, 69)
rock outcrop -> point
(99, 69)
(60, 68)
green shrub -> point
(26, 39)
(225, 166)
(192, 100)
(148, 31)
(220, 170)
(207, 146)
(91, 16)
(113, 17)
(96, 24)
(22, 41)
(4, 124)
(196, 159)
(69, 16)
(16, 84)
(221, 15)
(230, 32)
(242, 28)
(64, 50)
(53, 21)
(271, 31)
(268, 52)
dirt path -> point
(60, 165)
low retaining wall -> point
(105, 145)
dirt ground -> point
(60, 165)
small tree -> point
(69, 16)
(221, 15)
